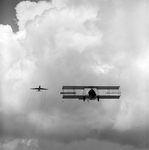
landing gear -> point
(98, 99)
(83, 99)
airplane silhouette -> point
(39, 88)
(108, 92)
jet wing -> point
(34, 88)
(43, 89)
(86, 87)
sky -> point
(74, 42)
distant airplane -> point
(113, 92)
(39, 88)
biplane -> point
(39, 88)
(91, 92)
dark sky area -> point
(8, 12)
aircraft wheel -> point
(83, 99)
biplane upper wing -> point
(97, 87)
(87, 96)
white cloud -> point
(75, 43)
(27, 11)
(20, 144)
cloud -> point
(76, 43)
(20, 144)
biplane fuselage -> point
(91, 92)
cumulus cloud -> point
(76, 43)
(20, 144)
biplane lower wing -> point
(91, 87)
(109, 96)
(73, 96)
(81, 97)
